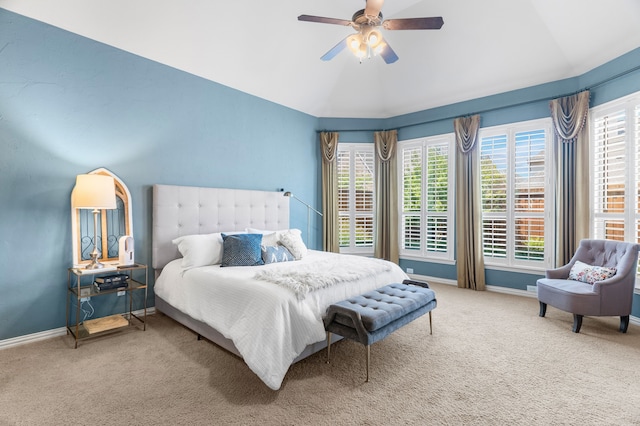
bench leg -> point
(430, 324)
(368, 359)
(328, 346)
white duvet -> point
(269, 325)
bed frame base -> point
(203, 330)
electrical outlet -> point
(532, 288)
(409, 270)
(121, 293)
(85, 299)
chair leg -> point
(430, 324)
(577, 323)
(328, 347)
(624, 323)
(543, 309)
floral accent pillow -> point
(590, 274)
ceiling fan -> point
(368, 39)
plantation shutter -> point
(344, 194)
(363, 198)
(437, 194)
(355, 163)
(529, 202)
(411, 198)
(493, 169)
(609, 175)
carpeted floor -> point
(490, 361)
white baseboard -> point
(30, 338)
(495, 288)
(49, 334)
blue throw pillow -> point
(275, 254)
(241, 250)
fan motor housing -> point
(361, 19)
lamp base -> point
(95, 264)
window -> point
(615, 141)
(356, 197)
(426, 198)
(517, 194)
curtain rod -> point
(531, 101)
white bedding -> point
(268, 324)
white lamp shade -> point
(94, 192)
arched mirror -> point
(112, 224)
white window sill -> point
(428, 259)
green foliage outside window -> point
(494, 186)
(531, 249)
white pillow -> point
(200, 250)
(269, 238)
(292, 240)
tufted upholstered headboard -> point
(188, 210)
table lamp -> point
(94, 192)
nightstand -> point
(80, 286)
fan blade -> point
(373, 7)
(335, 50)
(388, 54)
(323, 20)
(434, 23)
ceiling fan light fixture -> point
(379, 48)
(354, 42)
(374, 38)
(368, 40)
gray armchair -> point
(610, 297)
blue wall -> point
(69, 105)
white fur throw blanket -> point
(307, 277)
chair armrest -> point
(613, 281)
(561, 273)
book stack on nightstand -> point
(111, 282)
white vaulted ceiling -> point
(259, 47)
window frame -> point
(447, 257)
(510, 262)
(630, 106)
(352, 148)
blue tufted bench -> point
(374, 315)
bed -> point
(269, 315)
